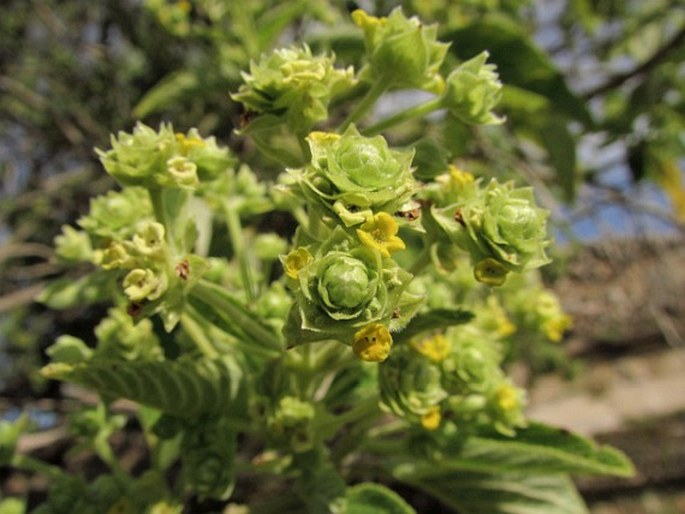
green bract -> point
(341, 289)
(115, 215)
(353, 175)
(502, 228)
(473, 90)
(293, 84)
(410, 384)
(402, 52)
(163, 158)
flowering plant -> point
(368, 343)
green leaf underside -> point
(433, 320)
(481, 493)
(369, 498)
(179, 388)
(538, 448)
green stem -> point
(235, 313)
(423, 260)
(189, 320)
(365, 104)
(280, 155)
(235, 233)
(417, 111)
(169, 207)
(362, 410)
(28, 463)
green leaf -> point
(534, 116)
(9, 436)
(183, 388)
(12, 506)
(480, 493)
(433, 320)
(519, 61)
(66, 292)
(535, 449)
(172, 88)
(370, 498)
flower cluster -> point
(452, 376)
(402, 52)
(294, 85)
(499, 225)
(353, 176)
(164, 158)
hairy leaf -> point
(434, 320)
(481, 493)
(370, 498)
(183, 388)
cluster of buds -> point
(498, 225)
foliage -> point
(371, 341)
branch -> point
(659, 55)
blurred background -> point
(595, 105)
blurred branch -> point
(20, 298)
(659, 55)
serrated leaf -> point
(535, 449)
(519, 61)
(481, 493)
(183, 388)
(370, 498)
(433, 320)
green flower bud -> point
(138, 158)
(293, 84)
(119, 337)
(152, 158)
(118, 256)
(115, 215)
(354, 176)
(73, 245)
(344, 285)
(473, 363)
(410, 384)
(502, 228)
(473, 90)
(144, 284)
(291, 424)
(341, 289)
(402, 52)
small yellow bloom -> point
(554, 328)
(362, 19)
(372, 343)
(295, 261)
(459, 177)
(323, 138)
(436, 348)
(187, 143)
(380, 233)
(431, 419)
(490, 272)
(507, 397)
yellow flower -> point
(431, 419)
(554, 328)
(363, 20)
(372, 343)
(380, 233)
(436, 348)
(323, 138)
(490, 272)
(459, 177)
(187, 143)
(507, 397)
(295, 261)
